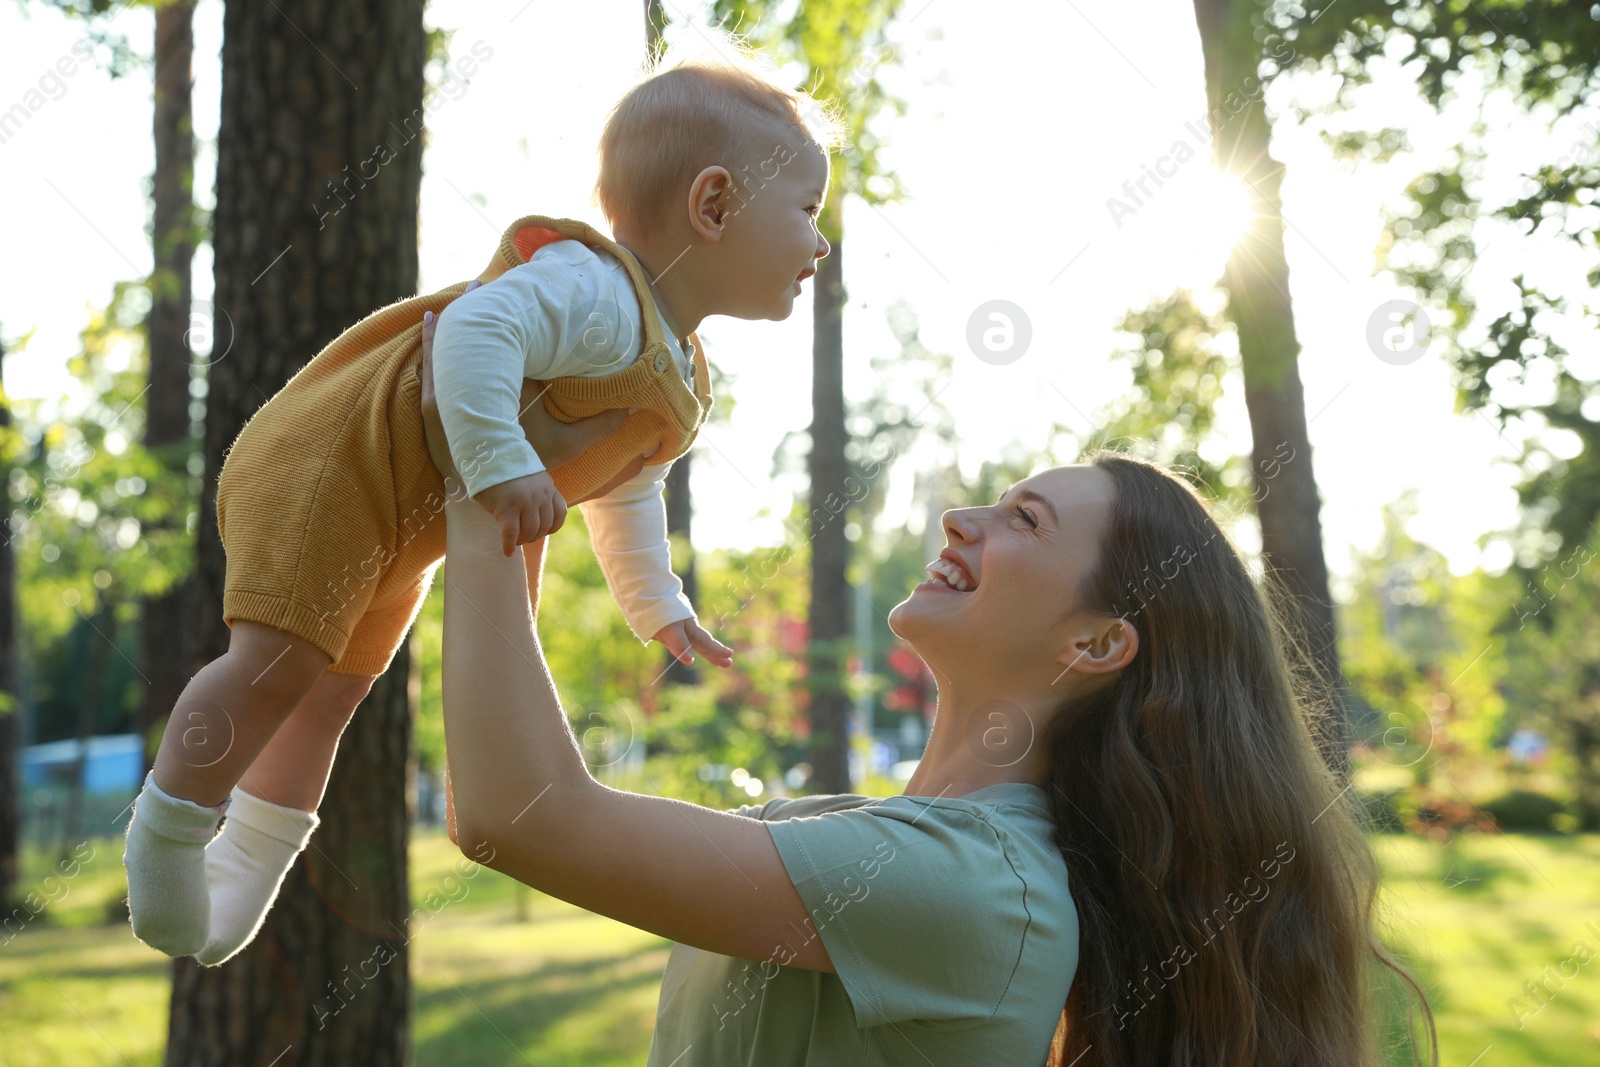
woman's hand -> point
(555, 441)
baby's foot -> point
(244, 867)
(165, 860)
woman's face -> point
(1021, 559)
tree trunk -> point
(680, 508)
(830, 552)
(10, 698)
(325, 981)
(95, 670)
(1257, 281)
(167, 632)
(680, 515)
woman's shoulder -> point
(904, 889)
(1006, 800)
(991, 839)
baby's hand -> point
(526, 508)
(681, 635)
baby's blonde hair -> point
(690, 111)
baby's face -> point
(771, 240)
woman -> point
(1119, 848)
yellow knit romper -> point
(331, 512)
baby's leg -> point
(273, 814)
(222, 721)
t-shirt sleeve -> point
(895, 890)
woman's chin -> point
(918, 611)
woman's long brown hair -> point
(1223, 882)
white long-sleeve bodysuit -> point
(568, 311)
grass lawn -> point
(507, 976)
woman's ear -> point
(1105, 646)
(708, 211)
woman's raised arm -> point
(523, 796)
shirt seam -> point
(1022, 945)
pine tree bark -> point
(167, 632)
(1257, 281)
(830, 551)
(309, 92)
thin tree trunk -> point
(680, 508)
(94, 688)
(10, 698)
(830, 551)
(1257, 281)
(680, 515)
(325, 982)
(167, 633)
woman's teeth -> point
(950, 573)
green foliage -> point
(840, 45)
(750, 715)
(97, 520)
(1509, 363)
(1542, 50)
(1421, 655)
(1524, 811)
(95, 513)
(1181, 359)
(1443, 668)
(1552, 664)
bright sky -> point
(1019, 130)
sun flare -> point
(1209, 215)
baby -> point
(712, 177)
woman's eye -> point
(814, 210)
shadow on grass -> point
(1460, 872)
(588, 1012)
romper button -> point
(661, 361)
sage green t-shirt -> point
(949, 923)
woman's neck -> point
(976, 745)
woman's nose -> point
(957, 526)
(823, 247)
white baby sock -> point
(165, 858)
(244, 867)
